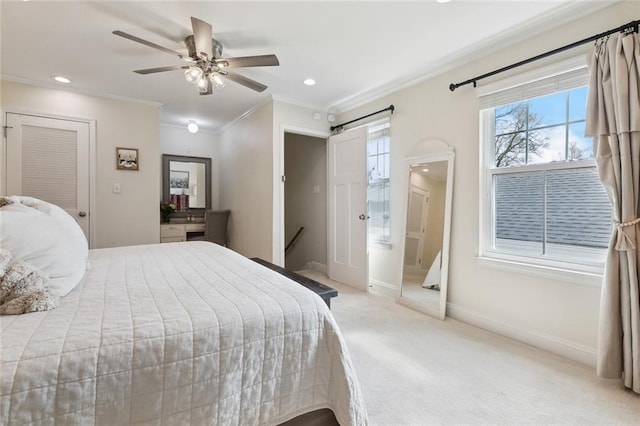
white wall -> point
(305, 167)
(246, 182)
(131, 217)
(251, 166)
(557, 315)
(177, 140)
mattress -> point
(178, 333)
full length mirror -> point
(186, 183)
(426, 244)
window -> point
(544, 202)
(378, 164)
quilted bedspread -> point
(179, 333)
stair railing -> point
(292, 243)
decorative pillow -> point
(46, 237)
(23, 288)
(4, 201)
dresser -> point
(175, 232)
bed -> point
(178, 333)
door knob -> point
(361, 217)
(82, 214)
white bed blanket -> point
(179, 333)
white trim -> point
(590, 278)
(380, 287)
(3, 155)
(553, 19)
(555, 268)
(421, 307)
(425, 152)
(245, 114)
(316, 266)
(56, 86)
(93, 162)
(381, 244)
(556, 345)
(93, 188)
(278, 244)
(559, 165)
(285, 100)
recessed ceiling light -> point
(309, 82)
(192, 127)
(425, 170)
(443, 1)
(61, 79)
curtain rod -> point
(389, 108)
(627, 28)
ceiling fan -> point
(205, 65)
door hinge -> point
(284, 178)
(5, 130)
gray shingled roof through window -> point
(578, 210)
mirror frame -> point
(431, 151)
(166, 159)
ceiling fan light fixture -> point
(192, 127)
(193, 75)
(217, 81)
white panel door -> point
(347, 260)
(416, 229)
(48, 158)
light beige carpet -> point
(416, 370)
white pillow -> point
(47, 237)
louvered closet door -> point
(48, 159)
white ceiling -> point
(355, 50)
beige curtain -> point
(613, 119)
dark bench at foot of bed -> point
(321, 290)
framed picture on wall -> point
(127, 158)
(178, 179)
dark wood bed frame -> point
(320, 289)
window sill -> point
(591, 279)
(380, 244)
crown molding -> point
(57, 86)
(550, 20)
(245, 114)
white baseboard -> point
(565, 348)
(316, 266)
(380, 287)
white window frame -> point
(383, 242)
(514, 89)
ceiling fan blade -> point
(247, 82)
(202, 37)
(148, 43)
(248, 61)
(207, 90)
(161, 69)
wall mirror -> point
(186, 182)
(426, 229)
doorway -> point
(305, 202)
(50, 159)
